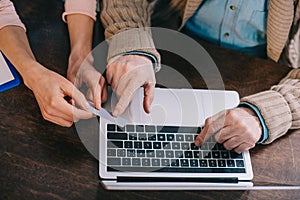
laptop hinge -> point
(175, 179)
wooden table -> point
(40, 160)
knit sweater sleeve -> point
(8, 15)
(127, 25)
(279, 106)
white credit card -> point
(106, 115)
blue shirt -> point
(234, 24)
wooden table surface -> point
(40, 160)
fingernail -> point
(115, 113)
(86, 105)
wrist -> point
(31, 72)
(147, 56)
(78, 55)
(255, 111)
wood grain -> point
(40, 160)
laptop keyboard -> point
(167, 149)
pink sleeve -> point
(8, 15)
(86, 7)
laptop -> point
(156, 151)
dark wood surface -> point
(40, 160)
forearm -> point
(81, 32)
(14, 44)
(127, 29)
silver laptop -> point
(156, 151)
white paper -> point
(5, 73)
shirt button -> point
(233, 7)
(226, 35)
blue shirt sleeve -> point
(141, 53)
(265, 132)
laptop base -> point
(114, 185)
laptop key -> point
(175, 145)
(175, 162)
(233, 154)
(126, 161)
(178, 154)
(188, 154)
(197, 154)
(165, 162)
(147, 145)
(194, 163)
(132, 136)
(130, 153)
(203, 163)
(128, 144)
(239, 163)
(185, 146)
(151, 137)
(216, 154)
(156, 145)
(161, 137)
(167, 129)
(212, 163)
(206, 154)
(142, 136)
(169, 154)
(166, 145)
(139, 128)
(136, 161)
(150, 128)
(114, 161)
(224, 154)
(189, 138)
(121, 152)
(194, 147)
(179, 137)
(145, 162)
(120, 129)
(221, 163)
(111, 152)
(117, 136)
(220, 146)
(155, 162)
(138, 145)
(115, 144)
(140, 153)
(170, 137)
(160, 154)
(184, 162)
(230, 163)
(130, 128)
(150, 153)
(204, 146)
(111, 127)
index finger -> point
(212, 125)
(70, 90)
(126, 95)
